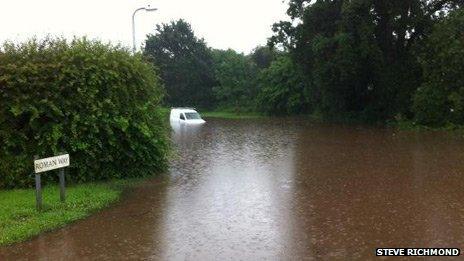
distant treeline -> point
(364, 60)
(196, 75)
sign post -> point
(47, 164)
(62, 186)
(38, 190)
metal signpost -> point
(47, 164)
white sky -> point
(236, 24)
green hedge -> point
(95, 101)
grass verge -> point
(19, 220)
(409, 125)
(219, 114)
(231, 115)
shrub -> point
(95, 101)
(431, 106)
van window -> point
(182, 116)
(192, 116)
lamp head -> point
(149, 9)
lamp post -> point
(148, 9)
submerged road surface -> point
(278, 189)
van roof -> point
(183, 108)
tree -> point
(263, 56)
(360, 56)
(440, 99)
(235, 74)
(185, 63)
(282, 88)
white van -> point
(185, 116)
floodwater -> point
(278, 189)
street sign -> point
(47, 164)
(57, 162)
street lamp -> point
(148, 9)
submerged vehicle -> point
(185, 116)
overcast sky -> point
(236, 24)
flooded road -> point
(278, 189)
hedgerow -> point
(93, 100)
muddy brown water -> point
(278, 189)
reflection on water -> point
(227, 199)
(280, 189)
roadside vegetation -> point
(95, 101)
(19, 219)
(361, 61)
(231, 115)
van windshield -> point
(192, 116)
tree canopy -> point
(368, 60)
(440, 99)
(235, 74)
(282, 88)
(360, 56)
(185, 64)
